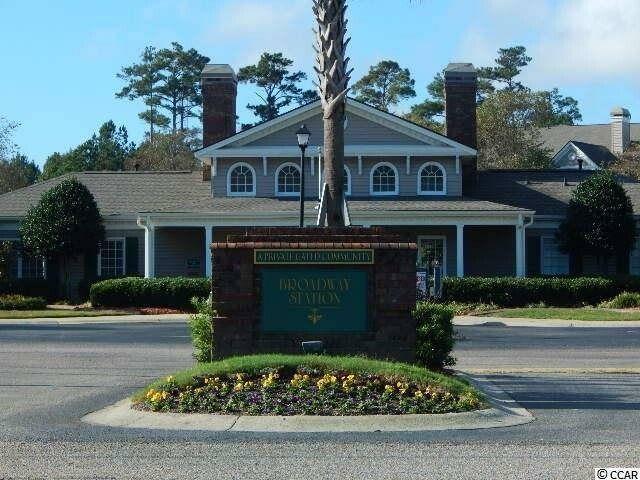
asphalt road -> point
(51, 375)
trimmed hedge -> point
(20, 302)
(434, 335)
(169, 292)
(552, 291)
(29, 288)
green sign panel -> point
(314, 300)
(312, 256)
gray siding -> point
(359, 131)
(360, 183)
(174, 247)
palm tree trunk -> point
(333, 79)
(334, 166)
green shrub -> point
(201, 329)
(168, 292)
(29, 288)
(434, 334)
(20, 302)
(519, 292)
(623, 300)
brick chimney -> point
(219, 91)
(620, 130)
(460, 87)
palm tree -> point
(333, 80)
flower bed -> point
(304, 385)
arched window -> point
(432, 179)
(241, 180)
(288, 180)
(384, 179)
(347, 181)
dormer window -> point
(288, 180)
(241, 180)
(384, 179)
(432, 179)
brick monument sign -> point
(350, 288)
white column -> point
(149, 250)
(520, 269)
(460, 250)
(208, 240)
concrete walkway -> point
(469, 320)
(166, 318)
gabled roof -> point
(426, 136)
(598, 154)
(556, 137)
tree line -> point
(166, 82)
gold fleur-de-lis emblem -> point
(314, 317)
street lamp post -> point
(303, 135)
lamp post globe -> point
(302, 135)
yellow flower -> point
(170, 378)
(238, 387)
(418, 394)
(388, 389)
(150, 393)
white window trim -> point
(124, 255)
(444, 179)
(542, 237)
(241, 194)
(348, 171)
(397, 179)
(444, 248)
(286, 194)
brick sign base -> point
(351, 288)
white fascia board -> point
(245, 219)
(260, 131)
(349, 151)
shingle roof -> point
(357, 204)
(122, 193)
(118, 193)
(544, 191)
(557, 137)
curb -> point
(504, 412)
(107, 319)
(488, 321)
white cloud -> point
(574, 41)
(246, 28)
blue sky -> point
(60, 59)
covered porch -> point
(464, 243)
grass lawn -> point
(308, 385)
(597, 314)
(55, 313)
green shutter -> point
(533, 255)
(132, 257)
